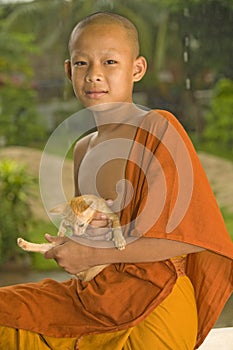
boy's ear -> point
(140, 66)
(67, 66)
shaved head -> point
(107, 18)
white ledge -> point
(219, 339)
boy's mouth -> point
(95, 94)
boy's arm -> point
(74, 257)
(144, 250)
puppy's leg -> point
(89, 274)
(118, 237)
(62, 229)
(34, 247)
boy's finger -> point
(49, 237)
(100, 216)
(55, 239)
(99, 223)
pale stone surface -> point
(219, 339)
(220, 174)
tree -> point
(19, 120)
(176, 36)
(15, 211)
(219, 122)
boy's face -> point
(103, 66)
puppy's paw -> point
(22, 243)
(118, 239)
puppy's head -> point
(84, 211)
(79, 205)
(77, 214)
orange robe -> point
(165, 171)
(177, 313)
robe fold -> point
(171, 199)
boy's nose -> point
(94, 74)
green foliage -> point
(15, 213)
(36, 234)
(19, 121)
(180, 38)
(207, 27)
(219, 122)
(228, 218)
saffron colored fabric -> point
(172, 325)
(172, 199)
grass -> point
(212, 148)
(228, 218)
(36, 234)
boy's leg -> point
(14, 339)
(172, 325)
(105, 341)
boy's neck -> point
(109, 117)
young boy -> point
(164, 291)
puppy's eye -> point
(81, 225)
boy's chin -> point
(101, 107)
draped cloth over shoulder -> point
(172, 199)
(176, 193)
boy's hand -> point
(74, 257)
(71, 256)
(99, 228)
(100, 219)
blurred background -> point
(189, 47)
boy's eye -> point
(110, 62)
(80, 63)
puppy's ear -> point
(89, 202)
(59, 209)
(80, 204)
(88, 214)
